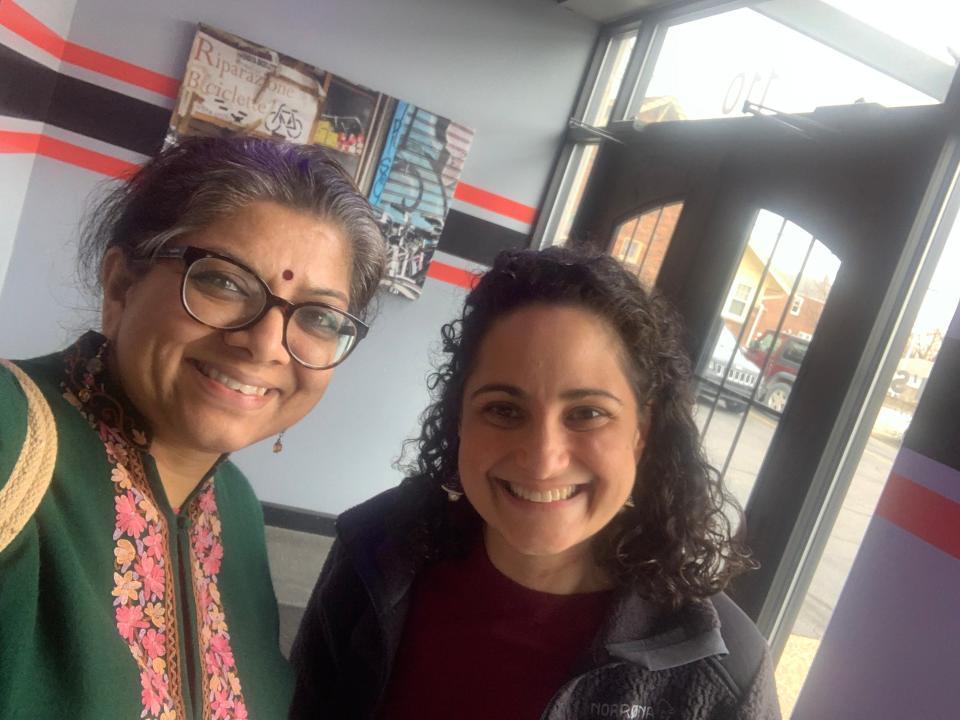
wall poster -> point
(418, 171)
(407, 158)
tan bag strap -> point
(21, 495)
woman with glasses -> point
(560, 547)
(235, 274)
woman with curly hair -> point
(561, 544)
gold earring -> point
(278, 443)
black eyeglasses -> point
(225, 294)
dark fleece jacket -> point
(706, 661)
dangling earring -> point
(95, 364)
(453, 489)
(278, 443)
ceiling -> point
(607, 10)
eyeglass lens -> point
(221, 294)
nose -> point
(262, 341)
(543, 451)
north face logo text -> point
(621, 710)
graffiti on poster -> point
(421, 162)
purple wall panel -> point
(892, 649)
(935, 476)
(954, 330)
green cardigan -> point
(112, 605)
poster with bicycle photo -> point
(419, 168)
(232, 85)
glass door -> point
(780, 261)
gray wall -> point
(14, 180)
(508, 68)
(16, 169)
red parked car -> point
(786, 355)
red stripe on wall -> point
(453, 275)
(19, 21)
(14, 142)
(930, 516)
(19, 142)
(121, 70)
(89, 159)
(495, 203)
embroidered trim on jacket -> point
(221, 684)
(144, 593)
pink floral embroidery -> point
(153, 691)
(220, 681)
(144, 591)
(129, 621)
(141, 581)
(141, 584)
(129, 520)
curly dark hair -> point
(677, 542)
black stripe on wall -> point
(26, 86)
(472, 238)
(291, 518)
(935, 429)
(108, 115)
(34, 91)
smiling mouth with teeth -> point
(541, 496)
(229, 382)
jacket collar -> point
(89, 386)
(657, 638)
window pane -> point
(571, 192)
(641, 242)
(709, 67)
(610, 78)
(746, 379)
(930, 26)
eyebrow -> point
(313, 292)
(573, 394)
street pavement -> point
(852, 520)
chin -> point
(541, 546)
(223, 442)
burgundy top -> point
(477, 645)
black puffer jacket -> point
(704, 662)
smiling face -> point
(212, 391)
(550, 432)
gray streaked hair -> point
(199, 180)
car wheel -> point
(777, 396)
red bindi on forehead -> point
(288, 274)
